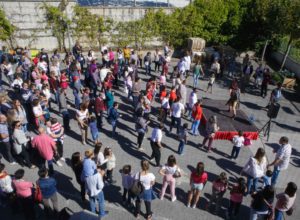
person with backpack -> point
(147, 180)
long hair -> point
(260, 154)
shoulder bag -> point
(137, 187)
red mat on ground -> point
(228, 126)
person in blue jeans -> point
(94, 129)
(49, 192)
(282, 158)
(94, 186)
(113, 116)
(183, 134)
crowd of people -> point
(34, 86)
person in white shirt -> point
(192, 101)
(282, 158)
(155, 142)
(94, 187)
(216, 68)
(255, 169)
(238, 142)
(147, 179)
(103, 73)
(177, 110)
(187, 62)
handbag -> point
(247, 142)
(38, 194)
(137, 187)
(177, 173)
(290, 211)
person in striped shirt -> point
(56, 131)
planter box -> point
(289, 83)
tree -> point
(89, 26)
(289, 23)
(58, 23)
(6, 29)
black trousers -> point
(178, 123)
(234, 208)
(156, 154)
(263, 90)
(24, 156)
(140, 139)
(5, 148)
(138, 207)
(28, 207)
(126, 193)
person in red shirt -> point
(198, 180)
(163, 93)
(54, 86)
(173, 95)
(46, 148)
(100, 107)
(196, 115)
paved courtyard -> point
(124, 148)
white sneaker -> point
(174, 199)
(194, 206)
(63, 159)
(59, 164)
(188, 205)
(13, 163)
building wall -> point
(33, 31)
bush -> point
(277, 77)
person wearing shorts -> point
(198, 180)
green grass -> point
(294, 52)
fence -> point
(294, 52)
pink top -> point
(219, 186)
(235, 195)
(45, 146)
(23, 188)
(284, 202)
(63, 82)
(111, 55)
(162, 80)
(44, 78)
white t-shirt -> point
(170, 170)
(37, 110)
(103, 74)
(156, 135)
(146, 179)
(82, 115)
(100, 159)
(284, 154)
(177, 108)
(238, 141)
(192, 99)
(165, 103)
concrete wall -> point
(32, 29)
(290, 64)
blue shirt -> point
(47, 186)
(89, 168)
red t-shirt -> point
(173, 95)
(199, 179)
(197, 112)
